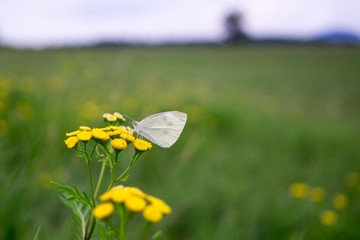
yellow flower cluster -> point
(134, 200)
(318, 194)
(120, 137)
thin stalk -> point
(132, 163)
(145, 230)
(101, 176)
(122, 216)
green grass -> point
(260, 118)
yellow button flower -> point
(106, 196)
(71, 142)
(119, 116)
(317, 194)
(119, 144)
(152, 214)
(136, 192)
(103, 210)
(100, 134)
(159, 204)
(127, 136)
(340, 201)
(135, 204)
(299, 190)
(328, 217)
(119, 194)
(84, 136)
(71, 134)
(84, 128)
(142, 145)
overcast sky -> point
(52, 22)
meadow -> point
(260, 119)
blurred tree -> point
(234, 27)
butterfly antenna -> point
(128, 117)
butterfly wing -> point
(163, 129)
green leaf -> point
(156, 235)
(73, 194)
(105, 231)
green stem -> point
(101, 176)
(132, 163)
(145, 230)
(122, 216)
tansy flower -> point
(299, 190)
(84, 128)
(328, 217)
(128, 137)
(71, 134)
(340, 201)
(71, 142)
(119, 116)
(115, 133)
(119, 195)
(110, 118)
(152, 214)
(142, 145)
(160, 204)
(135, 204)
(317, 194)
(84, 136)
(106, 196)
(118, 144)
(100, 134)
(136, 192)
(103, 210)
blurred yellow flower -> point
(317, 194)
(71, 142)
(136, 192)
(152, 214)
(135, 204)
(103, 210)
(328, 217)
(106, 196)
(159, 204)
(119, 116)
(352, 179)
(299, 190)
(84, 128)
(118, 144)
(142, 145)
(340, 201)
(100, 134)
(127, 136)
(84, 136)
(119, 194)
(70, 134)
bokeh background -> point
(271, 149)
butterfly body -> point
(163, 128)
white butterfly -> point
(163, 129)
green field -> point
(260, 118)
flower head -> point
(328, 217)
(71, 142)
(159, 204)
(152, 214)
(103, 210)
(84, 136)
(71, 134)
(340, 201)
(118, 144)
(142, 145)
(299, 190)
(127, 136)
(84, 128)
(100, 134)
(119, 116)
(135, 204)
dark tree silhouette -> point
(234, 27)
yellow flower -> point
(111, 118)
(71, 134)
(328, 217)
(119, 116)
(136, 192)
(159, 204)
(115, 133)
(128, 137)
(340, 201)
(84, 136)
(100, 134)
(119, 194)
(119, 144)
(317, 194)
(352, 179)
(84, 128)
(71, 142)
(299, 190)
(103, 210)
(152, 214)
(142, 145)
(135, 204)
(106, 196)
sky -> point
(39, 23)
